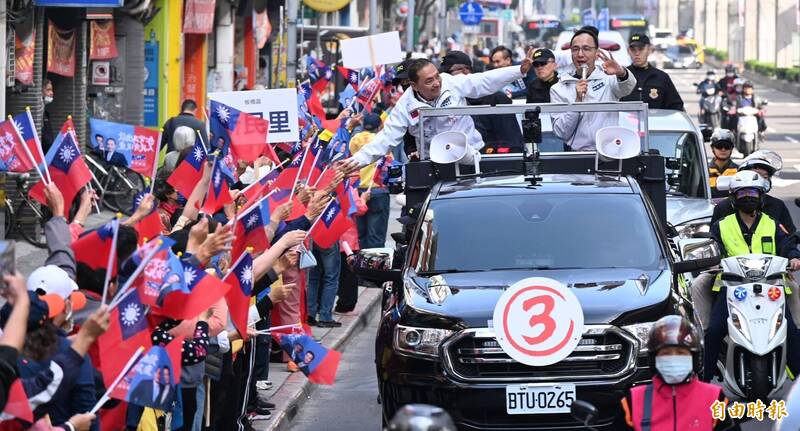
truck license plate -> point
(527, 399)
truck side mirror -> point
(375, 264)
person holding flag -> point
(373, 225)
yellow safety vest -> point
(714, 173)
(735, 245)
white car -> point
(610, 41)
(662, 38)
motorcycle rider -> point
(766, 163)
(729, 105)
(653, 86)
(748, 231)
(710, 81)
(676, 399)
(747, 98)
(726, 84)
(722, 164)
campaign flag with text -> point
(14, 154)
(153, 381)
(319, 73)
(240, 280)
(138, 145)
(67, 169)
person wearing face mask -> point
(430, 89)
(749, 230)
(47, 130)
(726, 83)
(608, 83)
(721, 164)
(677, 399)
(765, 163)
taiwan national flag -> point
(137, 146)
(249, 229)
(286, 179)
(150, 226)
(27, 129)
(218, 194)
(93, 248)
(240, 279)
(318, 363)
(13, 150)
(132, 316)
(261, 187)
(367, 93)
(113, 349)
(351, 76)
(246, 133)
(189, 171)
(197, 294)
(17, 404)
(331, 225)
(68, 170)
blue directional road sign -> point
(471, 13)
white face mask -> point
(48, 100)
(674, 369)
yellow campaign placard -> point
(326, 5)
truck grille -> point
(604, 352)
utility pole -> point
(291, 51)
(410, 27)
(442, 25)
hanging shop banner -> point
(194, 69)
(61, 51)
(151, 83)
(326, 5)
(23, 61)
(262, 28)
(103, 44)
(198, 17)
(79, 3)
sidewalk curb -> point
(298, 386)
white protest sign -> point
(538, 321)
(368, 51)
(278, 106)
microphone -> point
(584, 70)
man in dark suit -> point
(111, 155)
(308, 358)
(157, 393)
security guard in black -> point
(653, 86)
(544, 65)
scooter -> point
(710, 108)
(753, 359)
(748, 139)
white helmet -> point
(766, 159)
(748, 179)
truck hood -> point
(681, 210)
(606, 295)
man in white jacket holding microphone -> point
(430, 89)
(590, 84)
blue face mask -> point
(674, 369)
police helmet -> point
(421, 417)
(767, 160)
(748, 179)
(722, 138)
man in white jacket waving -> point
(430, 89)
(608, 84)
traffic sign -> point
(538, 321)
(471, 13)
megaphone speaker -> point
(449, 147)
(617, 143)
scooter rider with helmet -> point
(729, 119)
(766, 163)
(722, 164)
(677, 399)
(726, 84)
(747, 231)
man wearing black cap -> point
(501, 133)
(544, 64)
(653, 86)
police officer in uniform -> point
(721, 164)
(653, 86)
(749, 230)
(544, 64)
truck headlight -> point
(642, 333)
(689, 229)
(739, 322)
(423, 342)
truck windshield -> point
(605, 231)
